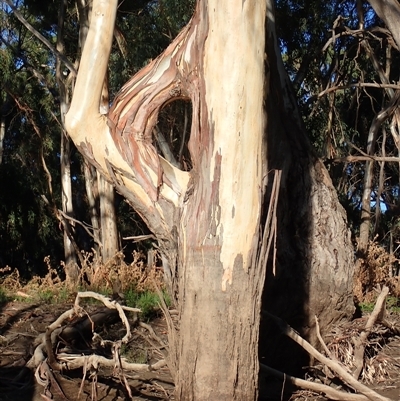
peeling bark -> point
(211, 222)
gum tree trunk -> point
(216, 224)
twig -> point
(321, 340)
(152, 333)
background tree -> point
(354, 79)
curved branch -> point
(133, 115)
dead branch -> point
(340, 370)
(112, 305)
(330, 392)
(75, 361)
(152, 333)
(45, 341)
(359, 342)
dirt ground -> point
(21, 323)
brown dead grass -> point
(375, 270)
(113, 276)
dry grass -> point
(377, 366)
(376, 269)
(113, 276)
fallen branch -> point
(342, 373)
(45, 341)
(359, 342)
(330, 392)
(70, 361)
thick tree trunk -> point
(219, 278)
(313, 271)
(215, 224)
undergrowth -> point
(3, 296)
(376, 269)
(136, 283)
(392, 305)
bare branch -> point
(38, 35)
(352, 159)
(359, 342)
(358, 85)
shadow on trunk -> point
(311, 273)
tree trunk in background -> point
(215, 224)
(92, 193)
(70, 257)
(108, 220)
(2, 135)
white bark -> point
(235, 108)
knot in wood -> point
(175, 91)
(139, 137)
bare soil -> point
(21, 323)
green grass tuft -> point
(3, 296)
(147, 301)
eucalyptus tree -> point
(216, 223)
(348, 100)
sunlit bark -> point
(212, 223)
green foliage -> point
(147, 301)
(393, 304)
(3, 296)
